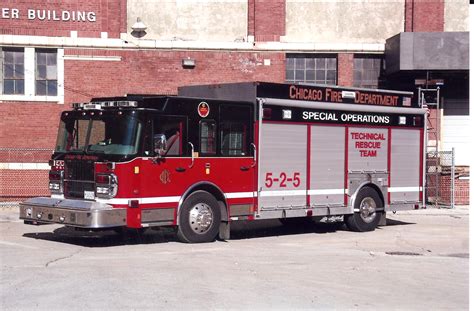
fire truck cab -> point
(242, 151)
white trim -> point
(30, 71)
(240, 195)
(24, 166)
(151, 200)
(286, 193)
(60, 77)
(93, 58)
(326, 191)
(128, 42)
(404, 189)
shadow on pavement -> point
(107, 238)
(239, 230)
(393, 222)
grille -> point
(78, 177)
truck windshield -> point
(104, 134)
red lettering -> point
(368, 153)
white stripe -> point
(93, 58)
(24, 166)
(326, 191)
(239, 195)
(286, 193)
(124, 201)
(404, 189)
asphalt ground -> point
(420, 260)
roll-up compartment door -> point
(367, 148)
(283, 153)
(405, 166)
(327, 165)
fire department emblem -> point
(165, 177)
(203, 109)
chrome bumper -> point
(75, 213)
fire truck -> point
(220, 153)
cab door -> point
(235, 151)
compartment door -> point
(283, 153)
(368, 149)
(405, 185)
(327, 166)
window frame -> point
(14, 78)
(214, 151)
(47, 81)
(308, 64)
(362, 83)
(30, 75)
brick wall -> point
(266, 19)
(29, 125)
(461, 190)
(161, 72)
(345, 68)
(424, 15)
(110, 17)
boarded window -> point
(367, 71)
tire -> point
(199, 218)
(367, 218)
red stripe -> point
(346, 163)
(308, 168)
(257, 146)
(181, 138)
(389, 163)
(422, 140)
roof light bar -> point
(104, 104)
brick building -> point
(58, 52)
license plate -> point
(89, 195)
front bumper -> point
(75, 213)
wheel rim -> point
(200, 218)
(367, 210)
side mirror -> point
(159, 145)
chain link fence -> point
(440, 178)
(23, 174)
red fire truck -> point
(242, 151)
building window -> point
(31, 74)
(13, 71)
(320, 69)
(367, 70)
(46, 73)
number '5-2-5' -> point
(282, 179)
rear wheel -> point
(367, 217)
(199, 218)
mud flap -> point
(383, 219)
(224, 230)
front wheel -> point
(199, 218)
(367, 217)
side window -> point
(173, 129)
(207, 137)
(233, 139)
(235, 130)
